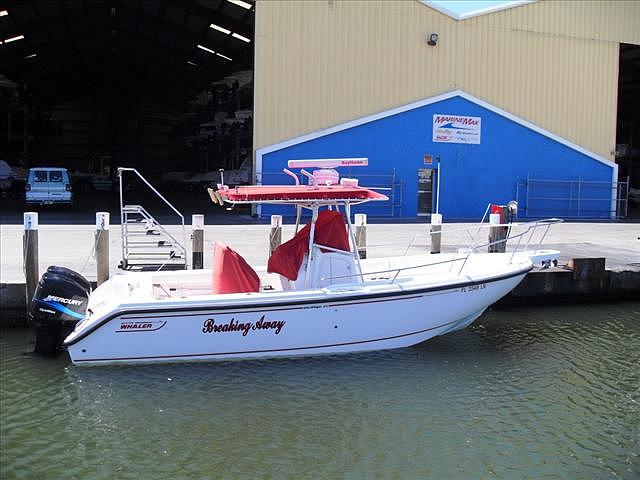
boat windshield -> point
(330, 231)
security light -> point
(13, 39)
(220, 29)
(202, 47)
(433, 39)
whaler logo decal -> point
(233, 325)
(141, 326)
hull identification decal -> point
(141, 326)
(210, 326)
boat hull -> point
(339, 322)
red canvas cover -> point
(231, 273)
(330, 231)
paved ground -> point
(71, 245)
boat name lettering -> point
(210, 326)
(473, 288)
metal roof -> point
(64, 49)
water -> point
(540, 393)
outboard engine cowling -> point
(72, 274)
(59, 302)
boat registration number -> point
(473, 288)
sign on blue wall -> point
(489, 157)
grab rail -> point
(532, 226)
(128, 169)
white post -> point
(197, 241)
(275, 237)
(102, 246)
(436, 232)
(361, 234)
(438, 189)
(30, 254)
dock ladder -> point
(146, 244)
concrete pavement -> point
(72, 245)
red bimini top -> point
(330, 231)
(298, 193)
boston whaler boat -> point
(315, 296)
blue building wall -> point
(471, 175)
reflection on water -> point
(551, 392)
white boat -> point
(315, 296)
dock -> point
(600, 261)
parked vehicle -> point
(48, 186)
(6, 176)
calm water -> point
(540, 393)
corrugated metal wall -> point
(555, 64)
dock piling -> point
(197, 241)
(436, 232)
(275, 237)
(497, 234)
(30, 254)
(361, 234)
(102, 247)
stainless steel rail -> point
(125, 210)
(530, 230)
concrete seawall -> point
(561, 286)
(599, 261)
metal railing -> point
(576, 198)
(530, 231)
(148, 220)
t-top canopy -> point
(298, 194)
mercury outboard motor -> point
(59, 302)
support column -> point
(361, 234)
(275, 237)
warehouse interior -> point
(628, 127)
(162, 86)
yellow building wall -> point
(554, 63)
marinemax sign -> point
(456, 129)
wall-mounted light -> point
(432, 39)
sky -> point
(463, 7)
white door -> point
(39, 186)
(57, 185)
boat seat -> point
(231, 273)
